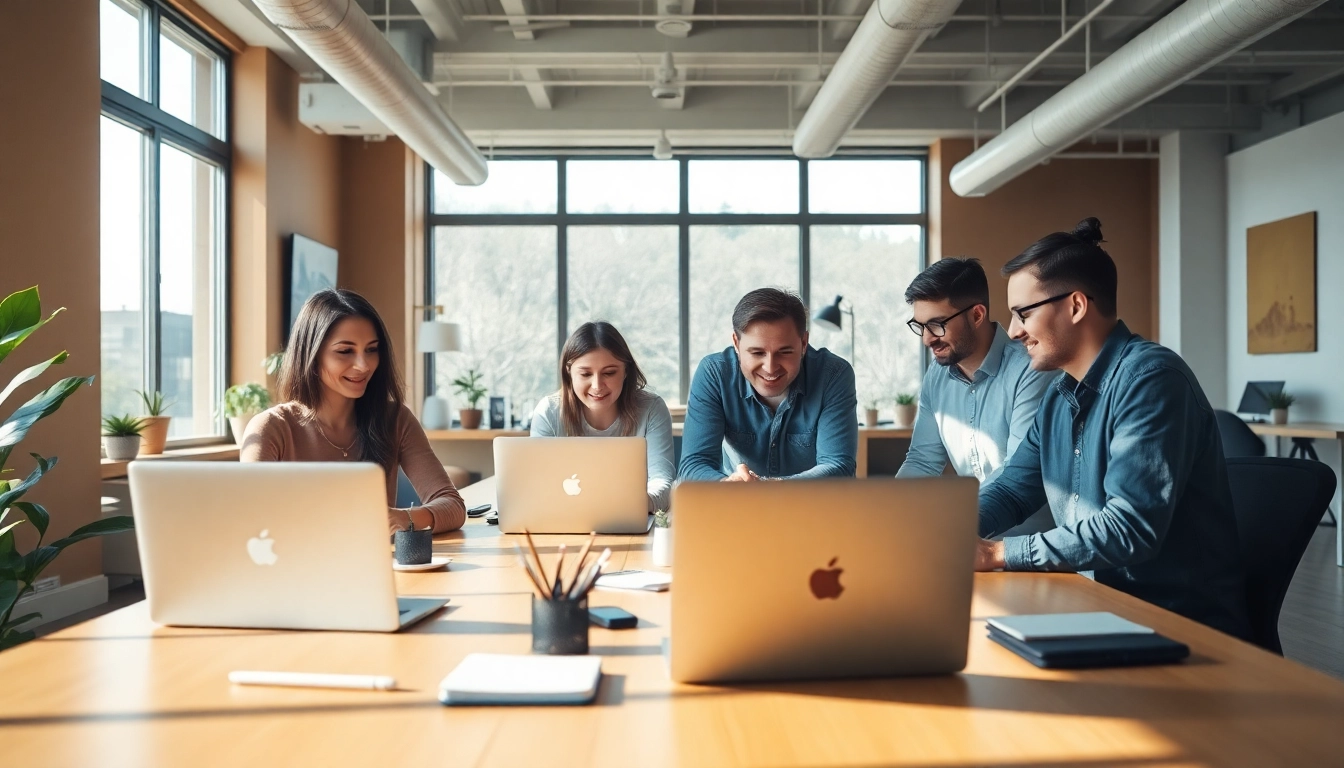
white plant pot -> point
(662, 547)
(121, 448)
(1278, 415)
(870, 417)
(905, 416)
(238, 425)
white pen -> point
(314, 680)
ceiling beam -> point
(517, 12)
(442, 18)
(539, 93)
(1302, 80)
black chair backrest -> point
(1238, 439)
(1278, 504)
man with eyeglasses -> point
(1125, 449)
(977, 404)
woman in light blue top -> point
(602, 394)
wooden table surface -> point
(119, 690)
(1312, 429)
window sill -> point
(217, 452)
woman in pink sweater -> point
(342, 401)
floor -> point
(1311, 626)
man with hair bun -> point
(1125, 448)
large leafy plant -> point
(20, 316)
(468, 385)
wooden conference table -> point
(119, 690)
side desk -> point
(471, 448)
(1316, 431)
(119, 690)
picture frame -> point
(500, 410)
(313, 267)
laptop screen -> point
(1256, 397)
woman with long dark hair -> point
(602, 394)
(341, 401)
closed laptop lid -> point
(276, 545)
(822, 578)
(572, 484)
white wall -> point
(1192, 255)
(1291, 174)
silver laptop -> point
(572, 484)
(274, 545)
(822, 578)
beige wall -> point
(49, 145)
(286, 180)
(1051, 198)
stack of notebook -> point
(1077, 640)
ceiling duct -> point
(343, 41)
(888, 34)
(665, 85)
(673, 27)
(1187, 41)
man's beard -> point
(955, 354)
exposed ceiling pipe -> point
(888, 34)
(1187, 41)
(339, 36)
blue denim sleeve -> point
(1016, 491)
(1150, 449)
(838, 426)
(658, 433)
(927, 456)
(1026, 401)
(702, 433)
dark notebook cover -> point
(1096, 651)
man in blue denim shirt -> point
(1124, 448)
(770, 406)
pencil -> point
(557, 591)
(578, 567)
(541, 569)
(527, 568)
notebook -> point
(649, 581)
(1096, 650)
(1046, 626)
(493, 678)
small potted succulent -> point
(870, 412)
(468, 385)
(121, 437)
(905, 410)
(154, 432)
(1278, 406)
(662, 538)
(241, 403)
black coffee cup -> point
(413, 547)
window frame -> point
(562, 219)
(157, 128)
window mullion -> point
(684, 280)
(152, 329)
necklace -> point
(345, 452)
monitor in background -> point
(1256, 397)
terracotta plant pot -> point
(238, 426)
(154, 434)
(470, 417)
(121, 448)
(1278, 415)
(870, 417)
(905, 416)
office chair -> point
(1237, 438)
(1277, 503)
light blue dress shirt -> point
(975, 423)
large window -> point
(664, 250)
(164, 170)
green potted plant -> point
(121, 437)
(154, 424)
(870, 407)
(1278, 406)
(662, 538)
(241, 403)
(468, 385)
(906, 404)
(20, 316)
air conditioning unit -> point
(329, 108)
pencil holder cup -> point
(413, 547)
(560, 627)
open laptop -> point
(272, 545)
(822, 578)
(572, 484)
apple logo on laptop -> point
(572, 485)
(825, 582)
(259, 549)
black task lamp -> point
(831, 317)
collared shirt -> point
(813, 433)
(975, 423)
(1131, 464)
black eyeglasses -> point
(1020, 310)
(937, 327)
